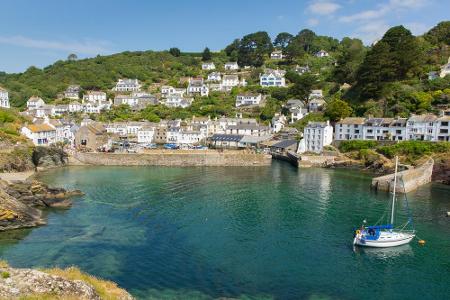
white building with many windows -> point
(272, 78)
(214, 76)
(94, 96)
(146, 133)
(127, 85)
(316, 135)
(349, 129)
(421, 127)
(248, 99)
(4, 98)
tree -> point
(233, 47)
(439, 34)
(282, 40)
(206, 55)
(337, 109)
(175, 52)
(302, 87)
(253, 48)
(72, 57)
(300, 44)
(349, 59)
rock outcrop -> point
(30, 283)
(21, 203)
(49, 157)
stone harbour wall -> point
(412, 179)
(175, 158)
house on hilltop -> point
(4, 98)
(208, 66)
(272, 78)
(127, 85)
(231, 66)
(72, 92)
(322, 53)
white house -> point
(208, 66)
(177, 101)
(40, 134)
(322, 53)
(145, 134)
(248, 129)
(230, 81)
(75, 106)
(272, 78)
(125, 99)
(421, 127)
(278, 122)
(231, 66)
(127, 85)
(316, 104)
(316, 135)
(167, 90)
(60, 109)
(197, 86)
(182, 136)
(445, 70)
(277, 54)
(248, 99)
(377, 129)
(44, 111)
(4, 98)
(96, 108)
(302, 69)
(35, 102)
(349, 129)
(72, 92)
(214, 76)
(397, 129)
(297, 113)
(94, 96)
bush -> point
(347, 146)
(414, 149)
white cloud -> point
(312, 22)
(323, 7)
(382, 10)
(88, 47)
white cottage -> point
(127, 85)
(248, 99)
(272, 78)
(208, 66)
(35, 102)
(40, 134)
(231, 66)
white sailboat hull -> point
(386, 239)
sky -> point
(37, 33)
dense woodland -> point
(389, 78)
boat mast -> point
(393, 194)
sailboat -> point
(382, 236)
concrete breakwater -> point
(175, 158)
(412, 179)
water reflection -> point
(385, 253)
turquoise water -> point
(254, 233)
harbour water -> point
(252, 233)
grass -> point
(104, 288)
(107, 290)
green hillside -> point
(388, 78)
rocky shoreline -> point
(21, 202)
